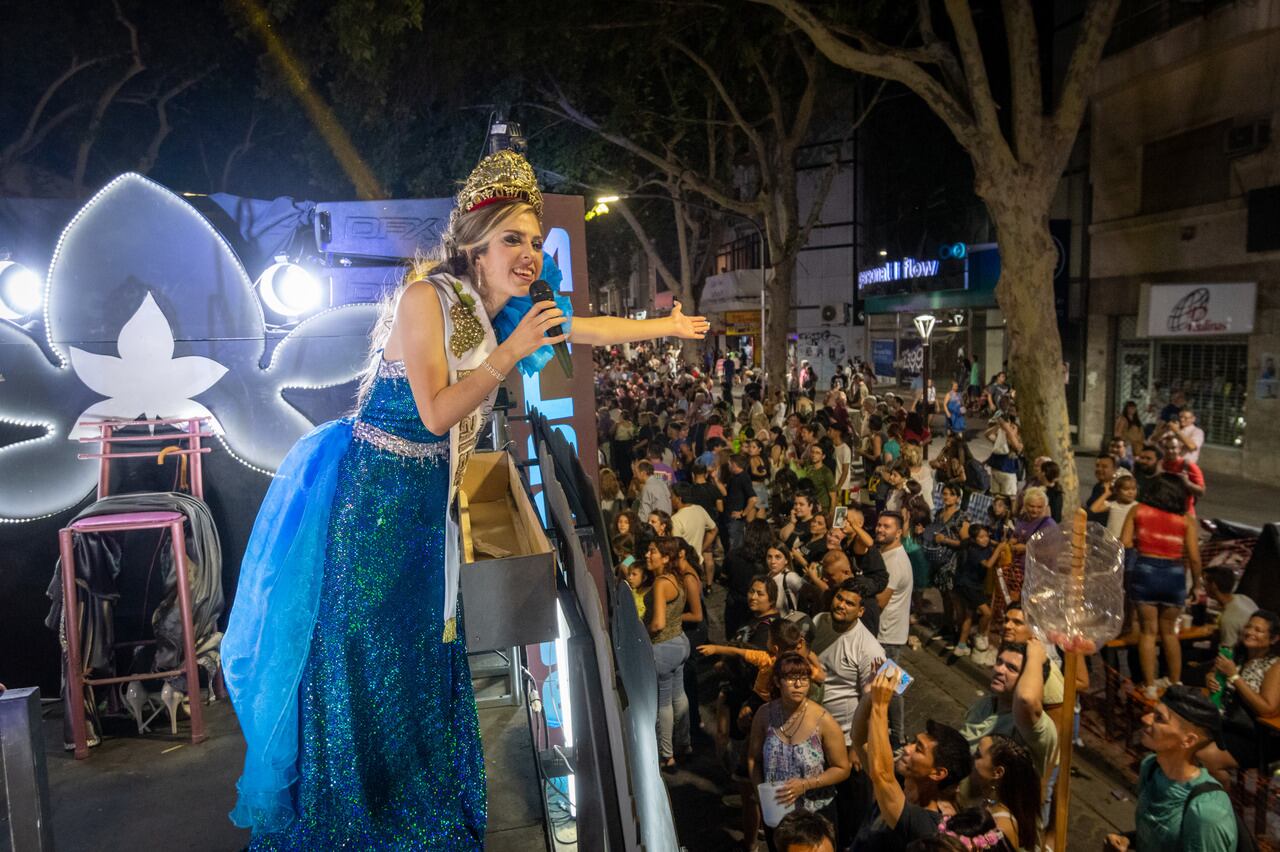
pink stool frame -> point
(126, 521)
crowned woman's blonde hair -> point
(464, 240)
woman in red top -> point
(1161, 536)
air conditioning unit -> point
(1247, 137)
(834, 314)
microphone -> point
(540, 291)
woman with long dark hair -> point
(666, 606)
(740, 565)
(1249, 681)
(1128, 427)
(1005, 776)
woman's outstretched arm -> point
(605, 331)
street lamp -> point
(924, 327)
(602, 207)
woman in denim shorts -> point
(1160, 539)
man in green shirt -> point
(1184, 722)
(824, 481)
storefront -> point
(958, 290)
(1193, 339)
(731, 302)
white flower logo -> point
(146, 380)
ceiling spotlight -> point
(289, 290)
(21, 291)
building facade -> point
(1184, 237)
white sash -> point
(463, 435)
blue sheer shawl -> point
(268, 635)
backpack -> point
(976, 476)
(1245, 841)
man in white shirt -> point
(849, 653)
(895, 608)
(1192, 435)
(895, 600)
(692, 523)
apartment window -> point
(1187, 169)
(1139, 20)
(742, 253)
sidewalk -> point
(1228, 498)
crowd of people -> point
(825, 514)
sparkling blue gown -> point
(389, 753)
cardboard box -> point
(508, 599)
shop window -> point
(1214, 377)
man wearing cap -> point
(1182, 723)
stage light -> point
(21, 291)
(289, 290)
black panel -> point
(1263, 232)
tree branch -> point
(981, 101)
(776, 114)
(1077, 86)
(642, 236)
(890, 66)
(239, 150)
(1024, 72)
(34, 131)
(148, 160)
(716, 194)
(135, 68)
(804, 109)
(753, 135)
(937, 50)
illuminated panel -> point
(148, 312)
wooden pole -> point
(1071, 664)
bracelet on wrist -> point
(1231, 681)
(493, 371)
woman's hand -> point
(531, 333)
(690, 328)
(1224, 667)
(789, 792)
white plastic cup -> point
(770, 807)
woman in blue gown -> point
(342, 655)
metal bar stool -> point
(188, 447)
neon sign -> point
(897, 270)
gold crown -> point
(500, 176)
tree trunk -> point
(1025, 294)
(778, 291)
